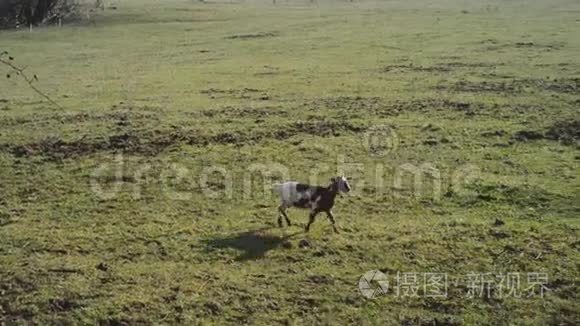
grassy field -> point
(110, 213)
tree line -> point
(16, 13)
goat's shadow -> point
(253, 244)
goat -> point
(316, 198)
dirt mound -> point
(153, 143)
(565, 131)
(55, 148)
(526, 135)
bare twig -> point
(7, 61)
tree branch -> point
(7, 61)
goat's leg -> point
(311, 219)
(331, 218)
(282, 212)
(287, 219)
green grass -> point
(186, 86)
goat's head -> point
(341, 184)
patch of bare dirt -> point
(495, 75)
(493, 45)
(243, 93)
(526, 135)
(415, 68)
(242, 112)
(350, 103)
(121, 321)
(346, 105)
(322, 128)
(437, 105)
(566, 131)
(412, 321)
(484, 86)
(439, 67)
(564, 85)
(53, 148)
(251, 36)
(494, 133)
(325, 127)
(120, 117)
(153, 143)
(62, 304)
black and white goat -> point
(316, 198)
